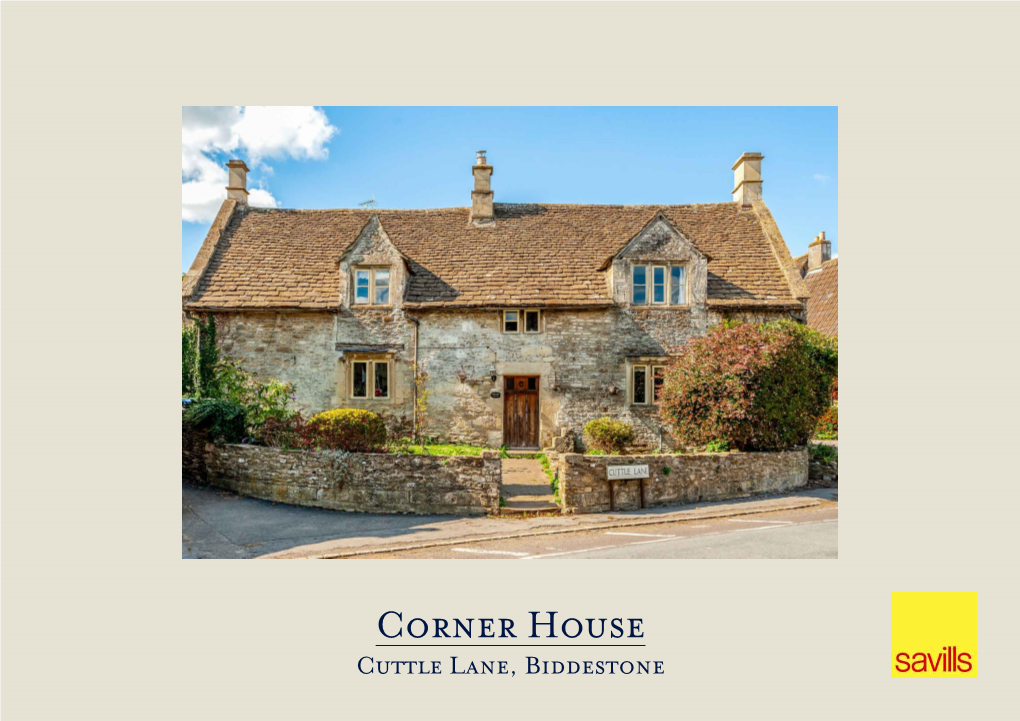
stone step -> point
(529, 507)
(529, 498)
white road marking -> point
(662, 540)
(498, 553)
(643, 535)
(741, 520)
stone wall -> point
(824, 474)
(366, 482)
(677, 479)
(193, 455)
(582, 358)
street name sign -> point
(617, 473)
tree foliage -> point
(756, 387)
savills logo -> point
(934, 635)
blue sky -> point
(307, 157)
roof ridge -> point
(371, 211)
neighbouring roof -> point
(537, 255)
(823, 305)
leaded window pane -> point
(640, 381)
(658, 285)
(360, 380)
(640, 285)
(361, 286)
(382, 380)
(678, 293)
(510, 323)
(382, 287)
(531, 321)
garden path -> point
(526, 487)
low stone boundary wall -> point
(367, 482)
(677, 479)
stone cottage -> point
(820, 272)
(529, 319)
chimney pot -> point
(481, 196)
(747, 179)
(819, 252)
(237, 187)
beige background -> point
(102, 619)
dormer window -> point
(372, 286)
(658, 285)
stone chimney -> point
(820, 251)
(747, 178)
(237, 188)
(481, 196)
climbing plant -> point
(208, 357)
(421, 406)
(189, 361)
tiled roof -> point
(823, 305)
(539, 255)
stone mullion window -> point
(522, 321)
(661, 284)
(645, 383)
(371, 379)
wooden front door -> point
(520, 412)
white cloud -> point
(300, 132)
(821, 178)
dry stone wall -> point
(366, 482)
(677, 479)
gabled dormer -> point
(373, 273)
(659, 268)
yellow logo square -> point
(934, 635)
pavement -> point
(219, 524)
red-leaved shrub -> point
(346, 429)
(758, 387)
(828, 425)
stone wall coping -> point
(486, 455)
(581, 457)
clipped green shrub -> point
(756, 387)
(224, 421)
(347, 429)
(608, 435)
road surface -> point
(804, 533)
